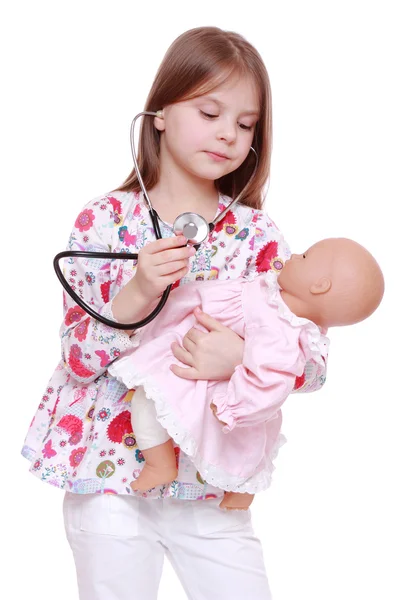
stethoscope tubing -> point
(86, 307)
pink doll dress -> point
(237, 456)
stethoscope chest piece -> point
(193, 226)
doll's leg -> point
(236, 501)
(155, 444)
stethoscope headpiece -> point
(193, 226)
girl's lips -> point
(217, 157)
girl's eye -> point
(208, 115)
(212, 116)
(304, 255)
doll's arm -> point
(261, 384)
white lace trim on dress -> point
(213, 474)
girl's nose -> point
(227, 131)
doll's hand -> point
(210, 354)
(214, 411)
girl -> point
(214, 91)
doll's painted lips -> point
(217, 157)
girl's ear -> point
(159, 122)
(321, 286)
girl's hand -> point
(160, 263)
(211, 354)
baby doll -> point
(231, 429)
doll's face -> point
(337, 280)
(303, 271)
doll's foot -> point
(236, 501)
(151, 476)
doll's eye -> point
(304, 255)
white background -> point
(73, 75)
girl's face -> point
(210, 136)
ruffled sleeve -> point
(88, 346)
(259, 386)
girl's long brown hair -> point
(197, 62)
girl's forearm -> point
(130, 305)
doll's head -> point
(335, 282)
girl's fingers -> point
(172, 277)
(184, 373)
(182, 355)
(208, 322)
(168, 256)
(165, 243)
(172, 267)
(188, 344)
(194, 335)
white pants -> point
(119, 544)
(148, 431)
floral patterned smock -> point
(81, 438)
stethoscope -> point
(192, 225)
